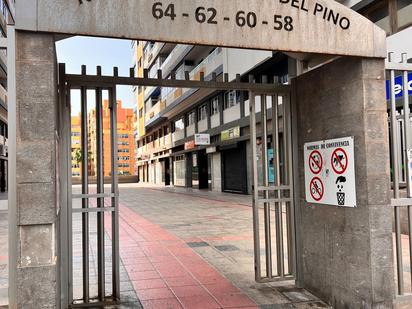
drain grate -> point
(227, 248)
(198, 244)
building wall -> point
(76, 145)
(125, 133)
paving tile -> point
(190, 290)
(230, 300)
(168, 303)
(139, 267)
(142, 275)
(181, 281)
(148, 284)
(157, 293)
(221, 287)
(199, 302)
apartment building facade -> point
(167, 151)
(76, 146)
(125, 147)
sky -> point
(92, 52)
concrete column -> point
(36, 88)
(346, 253)
(216, 169)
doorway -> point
(234, 170)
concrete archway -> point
(353, 276)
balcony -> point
(202, 125)
(212, 63)
(3, 97)
(174, 58)
(154, 111)
(158, 48)
(178, 135)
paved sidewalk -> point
(202, 226)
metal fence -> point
(399, 88)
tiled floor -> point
(196, 247)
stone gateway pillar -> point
(346, 253)
(36, 195)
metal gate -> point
(82, 245)
(399, 89)
(273, 192)
(99, 205)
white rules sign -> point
(330, 172)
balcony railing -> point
(3, 95)
(156, 109)
(153, 54)
(207, 66)
(174, 57)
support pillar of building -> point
(346, 254)
(35, 256)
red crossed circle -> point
(339, 161)
(316, 189)
(315, 165)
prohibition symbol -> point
(316, 189)
(339, 161)
(315, 162)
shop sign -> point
(190, 145)
(330, 172)
(202, 139)
(211, 149)
(230, 134)
(398, 87)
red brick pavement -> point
(166, 273)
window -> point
(232, 98)
(214, 106)
(202, 114)
(179, 125)
(141, 113)
(191, 118)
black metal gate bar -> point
(108, 81)
(85, 190)
(115, 192)
(100, 190)
(266, 205)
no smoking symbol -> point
(339, 161)
(315, 162)
(316, 189)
